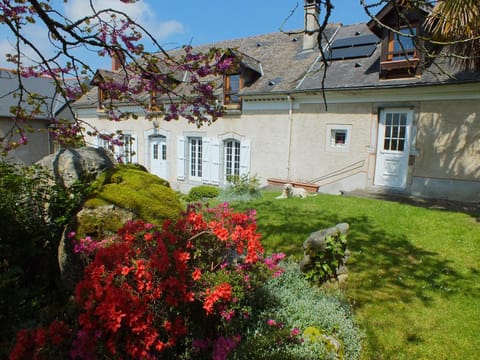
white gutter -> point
(290, 125)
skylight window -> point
(352, 47)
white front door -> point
(158, 156)
(394, 132)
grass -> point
(414, 273)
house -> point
(371, 114)
(52, 105)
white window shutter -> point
(181, 158)
(206, 160)
(134, 149)
(244, 157)
(215, 162)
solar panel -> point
(355, 41)
(351, 52)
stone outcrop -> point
(69, 165)
(120, 194)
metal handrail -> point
(338, 172)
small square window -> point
(338, 137)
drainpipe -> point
(290, 125)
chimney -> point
(312, 13)
(118, 59)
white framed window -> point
(231, 157)
(103, 142)
(128, 148)
(338, 137)
(208, 160)
(195, 158)
(159, 151)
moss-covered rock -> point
(130, 188)
(123, 193)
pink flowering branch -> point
(106, 32)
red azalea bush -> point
(180, 291)
(42, 343)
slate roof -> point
(364, 72)
(43, 86)
(286, 68)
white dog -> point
(289, 191)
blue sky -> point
(175, 23)
(213, 20)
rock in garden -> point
(123, 193)
(71, 164)
(316, 249)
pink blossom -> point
(295, 331)
(271, 322)
(228, 314)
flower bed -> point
(199, 287)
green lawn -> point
(414, 277)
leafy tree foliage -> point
(29, 235)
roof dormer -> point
(110, 86)
(245, 73)
(399, 28)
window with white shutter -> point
(244, 157)
(181, 158)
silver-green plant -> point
(241, 188)
(296, 320)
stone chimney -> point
(312, 13)
(118, 59)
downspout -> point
(290, 125)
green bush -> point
(325, 263)
(241, 188)
(289, 305)
(33, 213)
(202, 192)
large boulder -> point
(68, 165)
(125, 192)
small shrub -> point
(202, 192)
(241, 188)
(296, 320)
(323, 265)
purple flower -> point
(223, 346)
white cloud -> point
(140, 11)
(37, 35)
(5, 48)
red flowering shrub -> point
(42, 343)
(157, 292)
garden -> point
(221, 279)
(414, 272)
